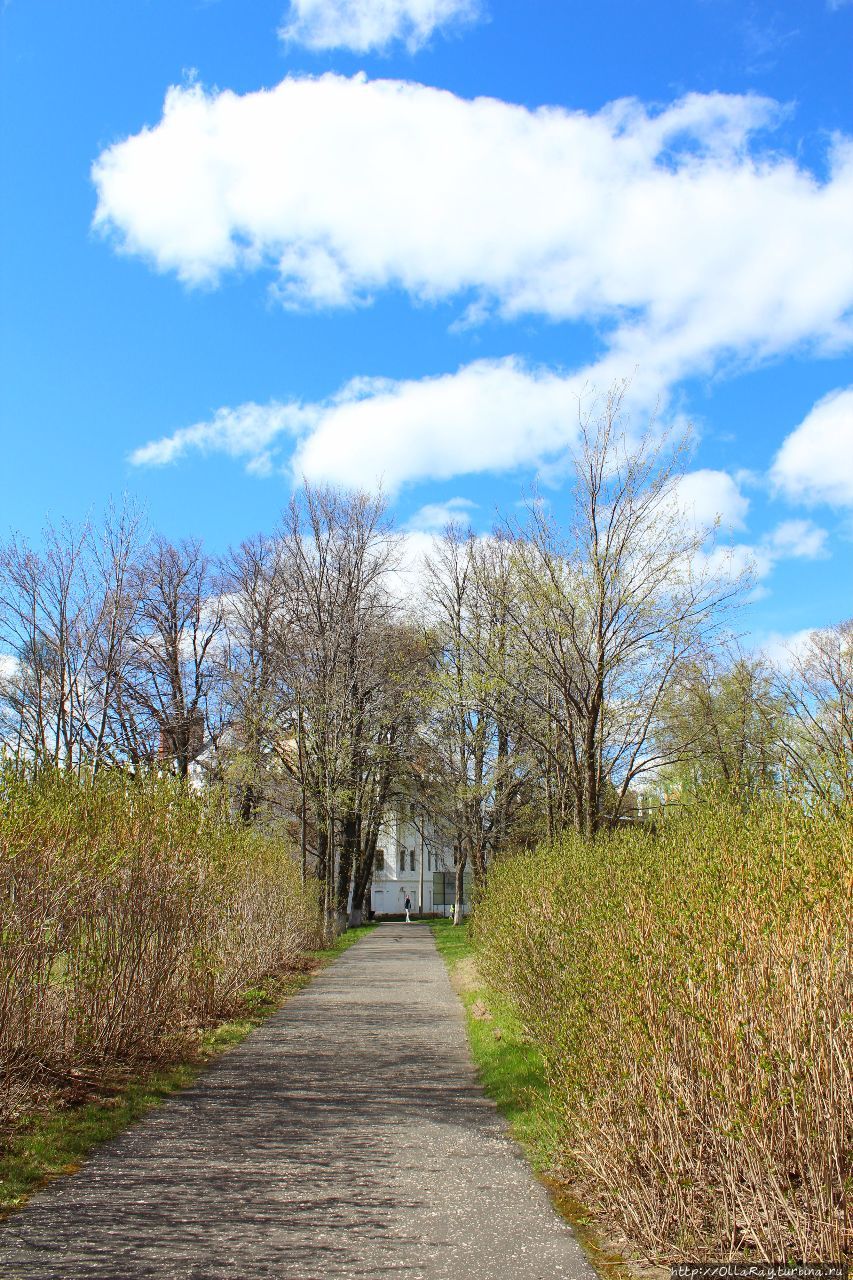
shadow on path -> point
(348, 1136)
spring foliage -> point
(131, 913)
(691, 992)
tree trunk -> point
(322, 852)
(362, 878)
(346, 861)
(303, 838)
(248, 804)
(330, 912)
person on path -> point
(408, 905)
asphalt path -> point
(347, 1136)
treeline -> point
(284, 675)
(569, 670)
(199, 752)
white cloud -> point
(677, 229)
(436, 516)
(249, 431)
(9, 667)
(790, 540)
(492, 415)
(797, 539)
(707, 495)
(783, 649)
(673, 231)
(408, 580)
(372, 24)
(734, 560)
(815, 463)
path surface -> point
(346, 1137)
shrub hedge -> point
(131, 913)
(691, 991)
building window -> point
(379, 860)
(411, 859)
(429, 860)
(402, 862)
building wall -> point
(406, 832)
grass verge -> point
(513, 1075)
(55, 1142)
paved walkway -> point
(346, 1137)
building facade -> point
(414, 860)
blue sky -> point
(396, 239)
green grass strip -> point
(54, 1142)
(509, 1066)
(512, 1072)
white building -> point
(413, 859)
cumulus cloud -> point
(677, 230)
(436, 516)
(362, 25)
(415, 547)
(248, 431)
(815, 463)
(708, 496)
(798, 540)
(784, 649)
(790, 540)
(489, 416)
(9, 667)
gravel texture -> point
(347, 1136)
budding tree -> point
(722, 727)
(167, 706)
(338, 552)
(475, 705)
(819, 691)
(251, 594)
(610, 596)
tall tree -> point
(819, 692)
(169, 704)
(251, 593)
(607, 603)
(117, 553)
(392, 761)
(47, 612)
(469, 730)
(722, 727)
(338, 553)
